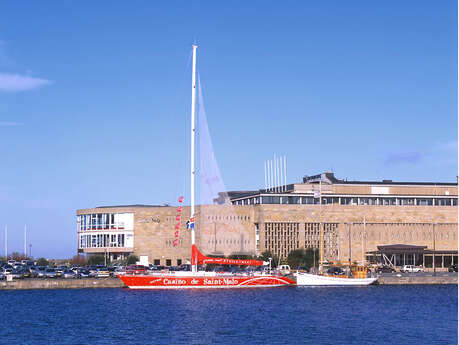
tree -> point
(131, 260)
(301, 257)
(267, 254)
(296, 258)
(96, 260)
(16, 256)
(311, 257)
(42, 262)
(79, 260)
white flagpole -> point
(266, 184)
(275, 173)
(285, 172)
(25, 240)
(6, 242)
(280, 174)
(272, 174)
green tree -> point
(267, 254)
(96, 260)
(296, 258)
(42, 262)
(132, 259)
(311, 257)
(301, 257)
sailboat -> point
(358, 275)
(195, 278)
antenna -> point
(265, 176)
(280, 175)
(271, 169)
(275, 173)
(285, 173)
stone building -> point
(357, 218)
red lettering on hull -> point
(196, 281)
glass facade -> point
(105, 230)
(345, 200)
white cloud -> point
(16, 82)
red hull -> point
(168, 281)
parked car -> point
(385, 269)
(136, 269)
(50, 273)
(82, 273)
(102, 273)
(411, 269)
(68, 274)
(41, 271)
(452, 268)
(17, 274)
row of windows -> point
(105, 221)
(102, 241)
(385, 201)
(281, 238)
(216, 218)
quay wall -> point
(28, 284)
(407, 280)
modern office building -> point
(405, 222)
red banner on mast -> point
(178, 218)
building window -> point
(424, 202)
(156, 262)
(387, 201)
(330, 200)
(271, 200)
(406, 201)
(307, 200)
(293, 200)
(349, 201)
(443, 202)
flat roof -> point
(134, 205)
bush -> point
(131, 260)
(96, 260)
(79, 260)
(42, 262)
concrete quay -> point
(91, 283)
(402, 279)
(38, 283)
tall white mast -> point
(193, 133)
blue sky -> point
(94, 100)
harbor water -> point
(410, 314)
